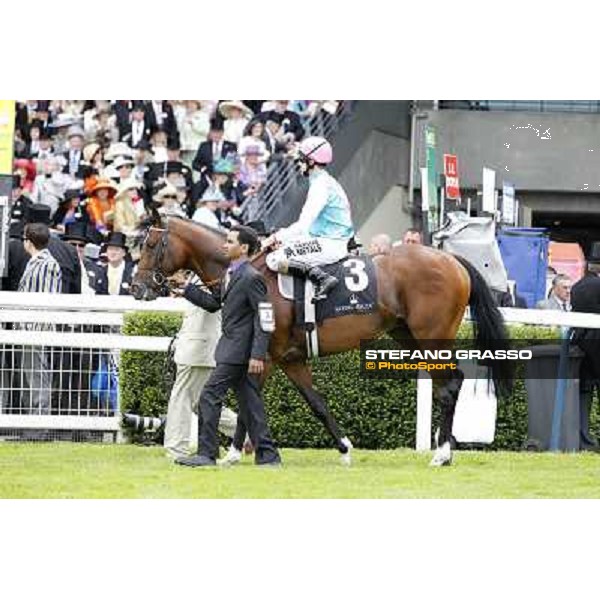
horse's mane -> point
(218, 232)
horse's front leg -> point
(300, 375)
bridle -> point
(158, 277)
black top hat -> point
(138, 105)
(38, 213)
(72, 193)
(76, 232)
(93, 235)
(118, 239)
(42, 105)
(37, 123)
(216, 124)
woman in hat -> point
(69, 210)
(254, 135)
(166, 196)
(253, 172)
(127, 216)
(237, 116)
(26, 170)
(101, 205)
(194, 124)
(50, 186)
(206, 213)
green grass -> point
(64, 470)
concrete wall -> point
(388, 217)
(512, 143)
(380, 163)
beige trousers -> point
(182, 424)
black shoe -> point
(197, 460)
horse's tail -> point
(489, 327)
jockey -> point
(320, 235)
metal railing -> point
(282, 172)
(569, 106)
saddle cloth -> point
(355, 293)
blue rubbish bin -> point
(524, 252)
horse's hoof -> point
(442, 456)
(346, 457)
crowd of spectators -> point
(99, 168)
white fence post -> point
(424, 406)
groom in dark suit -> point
(246, 322)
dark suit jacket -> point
(585, 294)
(125, 287)
(67, 157)
(169, 124)
(203, 161)
(122, 110)
(585, 297)
(127, 135)
(64, 254)
(70, 267)
(97, 278)
(242, 337)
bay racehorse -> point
(422, 294)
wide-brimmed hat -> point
(89, 151)
(253, 150)
(118, 149)
(128, 184)
(105, 184)
(76, 232)
(123, 161)
(72, 193)
(168, 189)
(226, 107)
(75, 130)
(118, 239)
(224, 166)
(64, 120)
(212, 194)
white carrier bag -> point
(475, 416)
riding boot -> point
(323, 282)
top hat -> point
(38, 213)
(76, 232)
(118, 239)
(594, 254)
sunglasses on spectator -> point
(170, 197)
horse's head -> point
(173, 244)
(160, 258)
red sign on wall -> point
(451, 175)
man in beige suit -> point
(194, 355)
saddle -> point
(355, 293)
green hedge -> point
(374, 413)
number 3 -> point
(360, 280)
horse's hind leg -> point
(299, 374)
(445, 390)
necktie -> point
(73, 165)
(217, 151)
